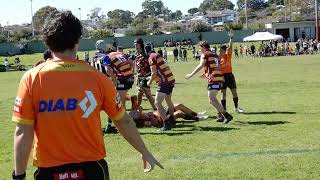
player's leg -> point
(212, 94)
(147, 92)
(161, 110)
(233, 88)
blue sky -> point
(18, 11)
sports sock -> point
(224, 104)
(235, 101)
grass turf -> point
(277, 137)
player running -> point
(211, 65)
(58, 105)
(225, 54)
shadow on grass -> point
(168, 133)
(219, 129)
(269, 112)
(268, 123)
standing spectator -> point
(180, 53)
(165, 54)
(241, 51)
(236, 54)
(194, 51)
(253, 50)
(51, 112)
(175, 54)
(6, 63)
(197, 57)
(305, 46)
(185, 54)
(297, 50)
(86, 57)
(160, 52)
(214, 50)
(318, 46)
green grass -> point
(277, 139)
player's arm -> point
(230, 41)
(110, 73)
(198, 68)
(153, 74)
(23, 140)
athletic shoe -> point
(201, 117)
(228, 117)
(220, 118)
(166, 127)
(238, 110)
(201, 113)
(110, 130)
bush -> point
(100, 33)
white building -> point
(221, 17)
(293, 30)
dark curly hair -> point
(62, 31)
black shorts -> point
(143, 82)
(229, 81)
(214, 87)
(166, 89)
(97, 170)
(125, 84)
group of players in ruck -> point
(151, 66)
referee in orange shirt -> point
(58, 106)
(225, 55)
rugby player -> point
(144, 72)
(161, 73)
(211, 65)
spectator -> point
(318, 46)
(86, 57)
(185, 54)
(175, 54)
(236, 54)
(197, 57)
(194, 51)
(165, 54)
(180, 53)
(241, 51)
(6, 63)
(253, 50)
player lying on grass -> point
(154, 119)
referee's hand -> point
(149, 162)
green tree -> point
(200, 27)
(192, 11)
(100, 33)
(176, 15)
(215, 5)
(153, 8)
(125, 17)
(252, 4)
(41, 15)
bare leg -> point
(148, 94)
(158, 103)
(140, 94)
(170, 105)
(212, 94)
(184, 109)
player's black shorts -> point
(97, 170)
(229, 81)
(125, 84)
(214, 87)
(143, 82)
(166, 89)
